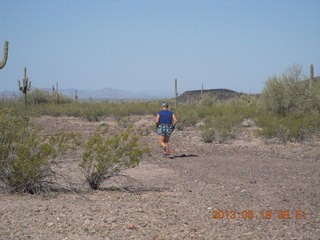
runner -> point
(165, 122)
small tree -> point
(104, 158)
(286, 92)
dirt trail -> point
(176, 198)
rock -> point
(200, 124)
(131, 226)
(297, 150)
(248, 123)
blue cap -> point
(165, 104)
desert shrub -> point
(290, 92)
(93, 111)
(219, 129)
(26, 158)
(208, 100)
(280, 95)
(145, 131)
(311, 98)
(124, 121)
(293, 127)
(187, 116)
(40, 96)
(294, 105)
(208, 135)
(37, 96)
(243, 100)
(106, 157)
(64, 99)
(222, 122)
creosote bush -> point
(208, 100)
(40, 96)
(294, 127)
(222, 122)
(219, 130)
(26, 158)
(105, 157)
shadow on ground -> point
(183, 156)
(133, 189)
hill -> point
(220, 94)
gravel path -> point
(254, 191)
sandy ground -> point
(245, 189)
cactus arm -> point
(5, 54)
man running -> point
(165, 122)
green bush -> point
(26, 158)
(105, 157)
(94, 111)
(187, 116)
(243, 100)
(222, 122)
(37, 96)
(293, 127)
(40, 96)
(291, 92)
(208, 135)
(208, 100)
(220, 129)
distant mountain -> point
(111, 93)
(105, 93)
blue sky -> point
(143, 45)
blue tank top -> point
(165, 117)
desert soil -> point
(177, 197)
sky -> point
(144, 45)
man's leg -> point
(166, 141)
(162, 140)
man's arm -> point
(157, 119)
(175, 120)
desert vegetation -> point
(288, 109)
(101, 163)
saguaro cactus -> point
(201, 94)
(176, 93)
(311, 76)
(76, 95)
(311, 72)
(55, 93)
(5, 54)
(25, 87)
